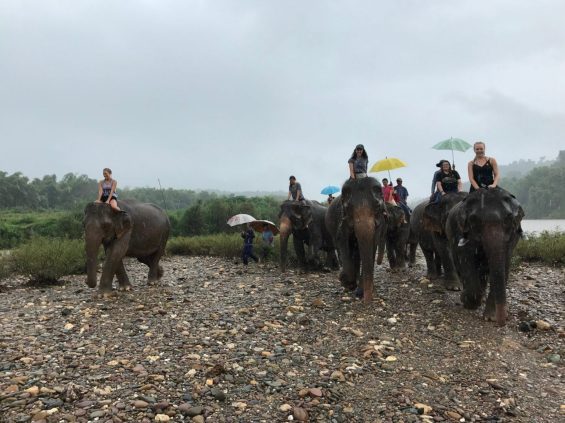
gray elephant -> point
(397, 237)
(434, 219)
(423, 237)
(304, 220)
(139, 230)
(357, 224)
(482, 232)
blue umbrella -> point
(330, 189)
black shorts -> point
(105, 198)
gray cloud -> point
(238, 95)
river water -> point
(539, 225)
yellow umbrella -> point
(387, 164)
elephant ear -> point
(431, 219)
(306, 213)
(122, 223)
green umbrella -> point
(453, 144)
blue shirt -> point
(402, 193)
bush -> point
(223, 245)
(5, 265)
(48, 259)
(219, 245)
(547, 247)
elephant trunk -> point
(364, 227)
(381, 245)
(92, 245)
(495, 248)
(285, 227)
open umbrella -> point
(387, 164)
(240, 219)
(453, 144)
(330, 189)
(259, 226)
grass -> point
(546, 247)
(17, 228)
(48, 259)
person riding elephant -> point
(397, 236)
(490, 220)
(357, 224)
(137, 230)
(304, 220)
(433, 220)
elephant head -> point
(294, 218)
(490, 221)
(102, 226)
(363, 217)
(435, 215)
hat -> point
(359, 146)
(440, 163)
(291, 177)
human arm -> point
(474, 183)
(439, 187)
(495, 172)
(351, 172)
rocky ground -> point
(217, 344)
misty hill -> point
(522, 167)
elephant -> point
(356, 221)
(138, 230)
(305, 221)
(433, 220)
(482, 232)
(423, 237)
(397, 236)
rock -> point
(337, 375)
(198, 419)
(452, 415)
(194, 411)
(300, 414)
(554, 358)
(423, 408)
(97, 414)
(285, 408)
(542, 325)
(34, 390)
(315, 392)
(140, 404)
(162, 418)
(218, 394)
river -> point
(539, 225)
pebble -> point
(300, 414)
(140, 404)
(162, 418)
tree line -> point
(541, 191)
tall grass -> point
(547, 247)
(48, 259)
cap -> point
(359, 146)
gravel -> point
(214, 342)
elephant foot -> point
(497, 314)
(107, 294)
(125, 287)
(359, 292)
(432, 276)
(91, 283)
(452, 285)
(470, 301)
(346, 282)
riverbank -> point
(215, 342)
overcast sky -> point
(238, 95)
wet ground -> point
(215, 343)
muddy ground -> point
(215, 343)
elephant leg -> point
(347, 276)
(300, 253)
(432, 261)
(123, 279)
(152, 261)
(412, 254)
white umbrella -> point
(240, 219)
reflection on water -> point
(540, 225)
